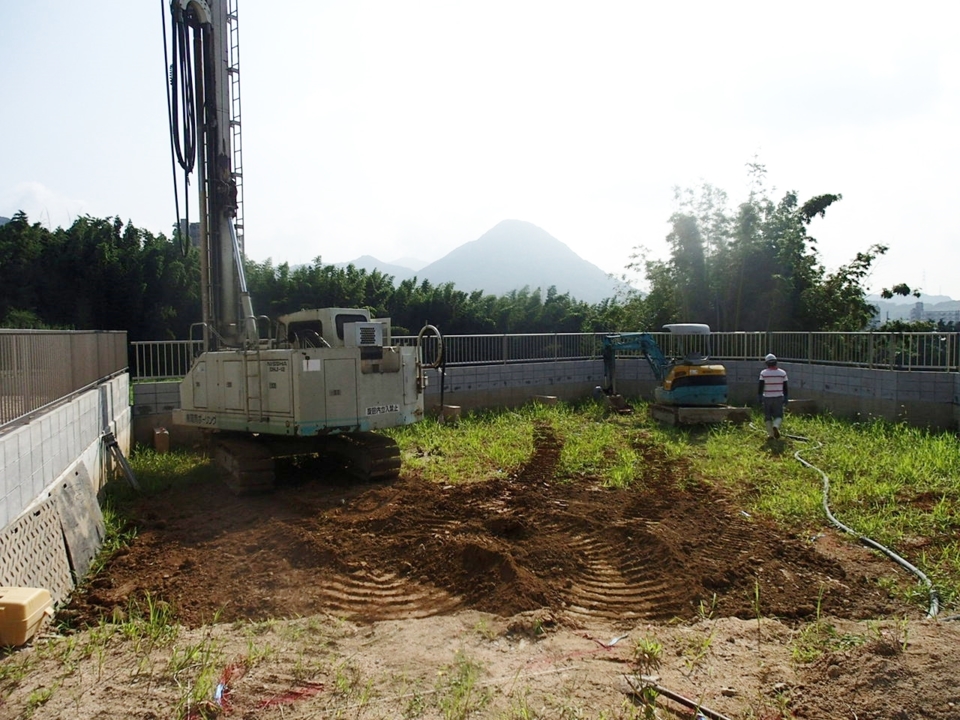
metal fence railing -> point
(165, 359)
(39, 367)
(893, 351)
(518, 348)
(897, 351)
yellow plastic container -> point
(22, 612)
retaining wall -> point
(921, 398)
(52, 466)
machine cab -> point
(691, 379)
(688, 343)
(333, 328)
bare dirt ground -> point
(396, 597)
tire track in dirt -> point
(507, 545)
(383, 596)
(615, 587)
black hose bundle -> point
(181, 107)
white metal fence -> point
(39, 367)
(896, 351)
(165, 359)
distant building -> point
(918, 313)
(193, 234)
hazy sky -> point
(408, 128)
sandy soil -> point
(395, 597)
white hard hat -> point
(771, 358)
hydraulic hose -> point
(934, 607)
(424, 332)
(439, 361)
(180, 94)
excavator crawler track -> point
(366, 456)
(247, 463)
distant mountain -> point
(515, 254)
(4, 221)
(910, 300)
(512, 255)
(369, 262)
(413, 263)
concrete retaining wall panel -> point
(931, 399)
(36, 459)
(36, 453)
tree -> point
(97, 274)
(838, 303)
(756, 268)
(21, 247)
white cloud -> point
(41, 204)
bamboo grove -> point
(755, 267)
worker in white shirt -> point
(772, 394)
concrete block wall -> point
(481, 386)
(35, 454)
(919, 398)
(930, 399)
(153, 406)
(158, 397)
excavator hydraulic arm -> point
(644, 342)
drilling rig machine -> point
(316, 381)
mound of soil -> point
(669, 547)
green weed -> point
(647, 655)
(821, 637)
(39, 697)
(159, 471)
(458, 692)
(695, 648)
(196, 670)
(150, 622)
(13, 669)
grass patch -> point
(896, 484)
(158, 471)
(480, 446)
(485, 444)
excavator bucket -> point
(619, 405)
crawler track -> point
(248, 463)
